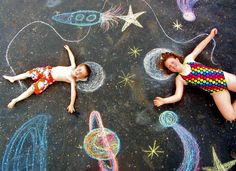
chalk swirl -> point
(168, 119)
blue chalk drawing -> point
(27, 147)
(191, 151)
(79, 18)
(84, 18)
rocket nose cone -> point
(62, 17)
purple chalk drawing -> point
(186, 7)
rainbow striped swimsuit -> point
(207, 78)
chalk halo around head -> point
(95, 80)
(150, 60)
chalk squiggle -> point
(28, 146)
(191, 150)
(44, 23)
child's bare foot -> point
(9, 78)
(11, 104)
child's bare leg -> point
(231, 81)
(223, 102)
(17, 77)
(23, 96)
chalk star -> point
(79, 147)
(177, 25)
(126, 79)
(134, 51)
(218, 165)
(153, 150)
(131, 18)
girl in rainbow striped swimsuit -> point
(214, 81)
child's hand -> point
(214, 31)
(158, 101)
(67, 47)
(71, 109)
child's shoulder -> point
(188, 59)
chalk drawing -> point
(101, 143)
(150, 67)
(134, 51)
(84, 18)
(186, 7)
(21, 30)
(27, 148)
(126, 79)
(177, 25)
(96, 78)
(190, 161)
(153, 150)
(218, 165)
(177, 41)
(53, 3)
(131, 18)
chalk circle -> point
(91, 18)
(100, 142)
(79, 17)
(150, 61)
(96, 78)
(168, 119)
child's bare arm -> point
(71, 108)
(158, 101)
(201, 46)
(71, 56)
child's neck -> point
(186, 69)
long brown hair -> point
(164, 56)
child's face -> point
(173, 64)
(80, 72)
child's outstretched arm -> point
(71, 56)
(201, 46)
(71, 108)
(158, 101)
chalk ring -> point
(95, 80)
(98, 142)
(149, 63)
